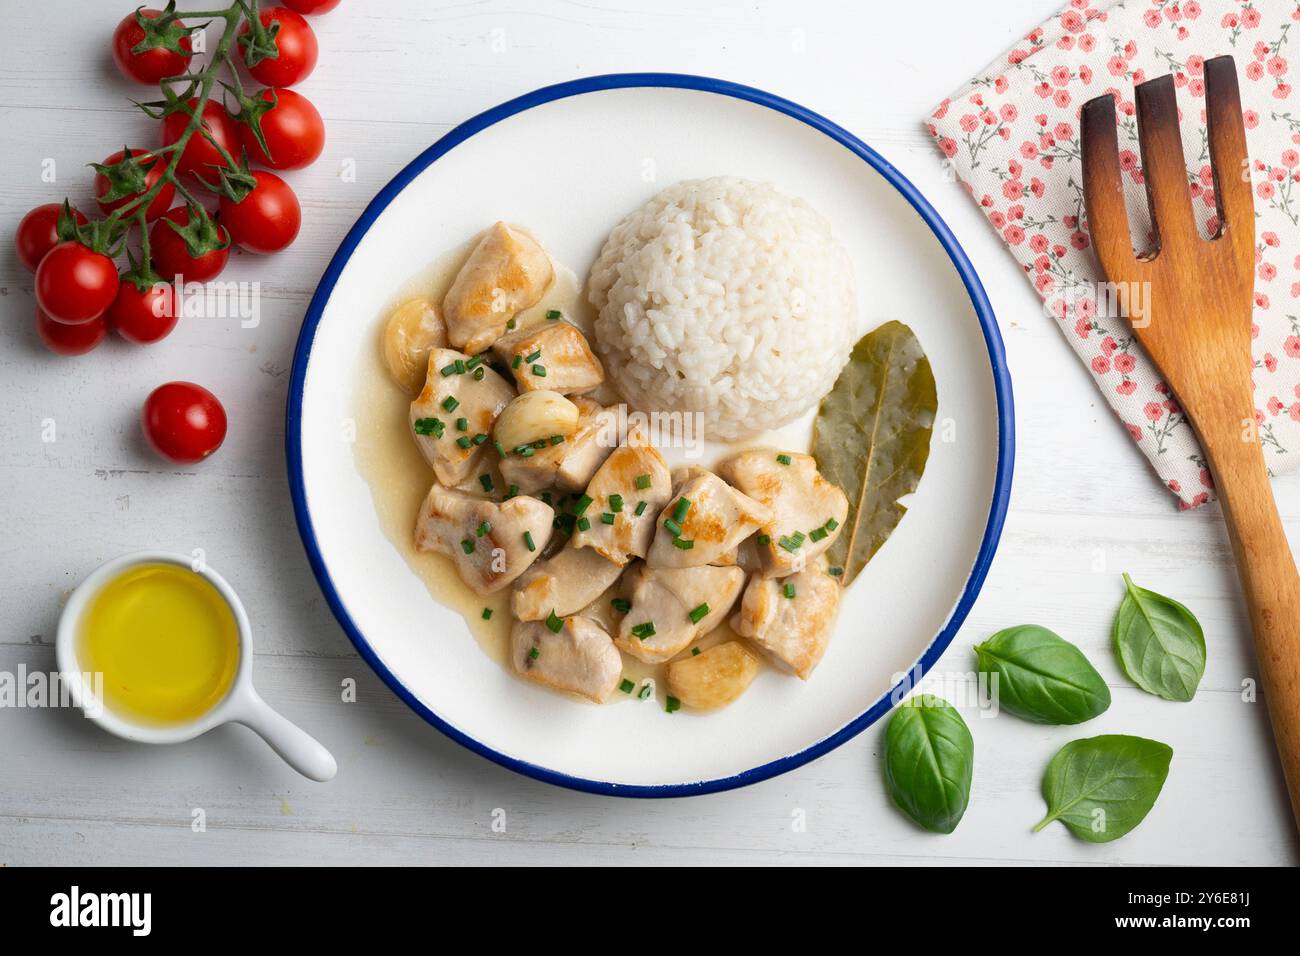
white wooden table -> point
(393, 76)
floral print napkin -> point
(1012, 138)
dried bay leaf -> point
(872, 438)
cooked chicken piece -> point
(491, 542)
(671, 607)
(506, 273)
(450, 400)
(413, 330)
(569, 465)
(793, 631)
(579, 658)
(704, 522)
(563, 584)
(808, 511)
(632, 474)
(713, 678)
(553, 355)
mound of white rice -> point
(725, 297)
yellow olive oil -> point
(165, 641)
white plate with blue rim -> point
(570, 161)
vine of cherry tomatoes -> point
(210, 131)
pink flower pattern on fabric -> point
(1011, 136)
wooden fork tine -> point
(1163, 165)
(1228, 158)
(1103, 189)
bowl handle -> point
(299, 749)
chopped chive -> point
(581, 505)
(699, 614)
(467, 545)
(797, 537)
(695, 652)
(501, 449)
(480, 438)
(512, 491)
(539, 371)
(487, 614)
(483, 529)
(764, 539)
(684, 544)
(817, 533)
(463, 441)
(450, 403)
(836, 571)
(645, 691)
(473, 363)
(462, 424)
(426, 426)
(546, 497)
(557, 439)
(673, 527)
(534, 654)
(514, 363)
(527, 451)
(553, 314)
(448, 369)
(783, 459)
(607, 517)
(616, 503)
(568, 521)
(486, 482)
(478, 374)
(530, 359)
(788, 590)
(642, 482)
(640, 508)
(789, 544)
(556, 624)
(528, 541)
(626, 686)
(584, 524)
(672, 704)
(539, 444)
(679, 510)
(643, 631)
(510, 325)
(622, 605)
(831, 524)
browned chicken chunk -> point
(790, 618)
(671, 607)
(506, 273)
(631, 486)
(449, 401)
(704, 522)
(808, 511)
(579, 658)
(491, 543)
(553, 355)
(563, 584)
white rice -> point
(723, 296)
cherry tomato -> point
(296, 42)
(312, 8)
(183, 422)
(267, 219)
(200, 156)
(151, 65)
(154, 170)
(63, 339)
(38, 233)
(143, 317)
(171, 257)
(75, 284)
(294, 132)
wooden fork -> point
(1189, 303)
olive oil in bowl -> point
(165, 641)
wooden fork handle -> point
(1271, 587)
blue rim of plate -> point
(681, 81)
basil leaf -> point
(1041, 677)
(1159, 642)
(929, 759)
(1102, 787)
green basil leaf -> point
(1041, 677)
(929, 759)
(1159, 642)
(1102, 787)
